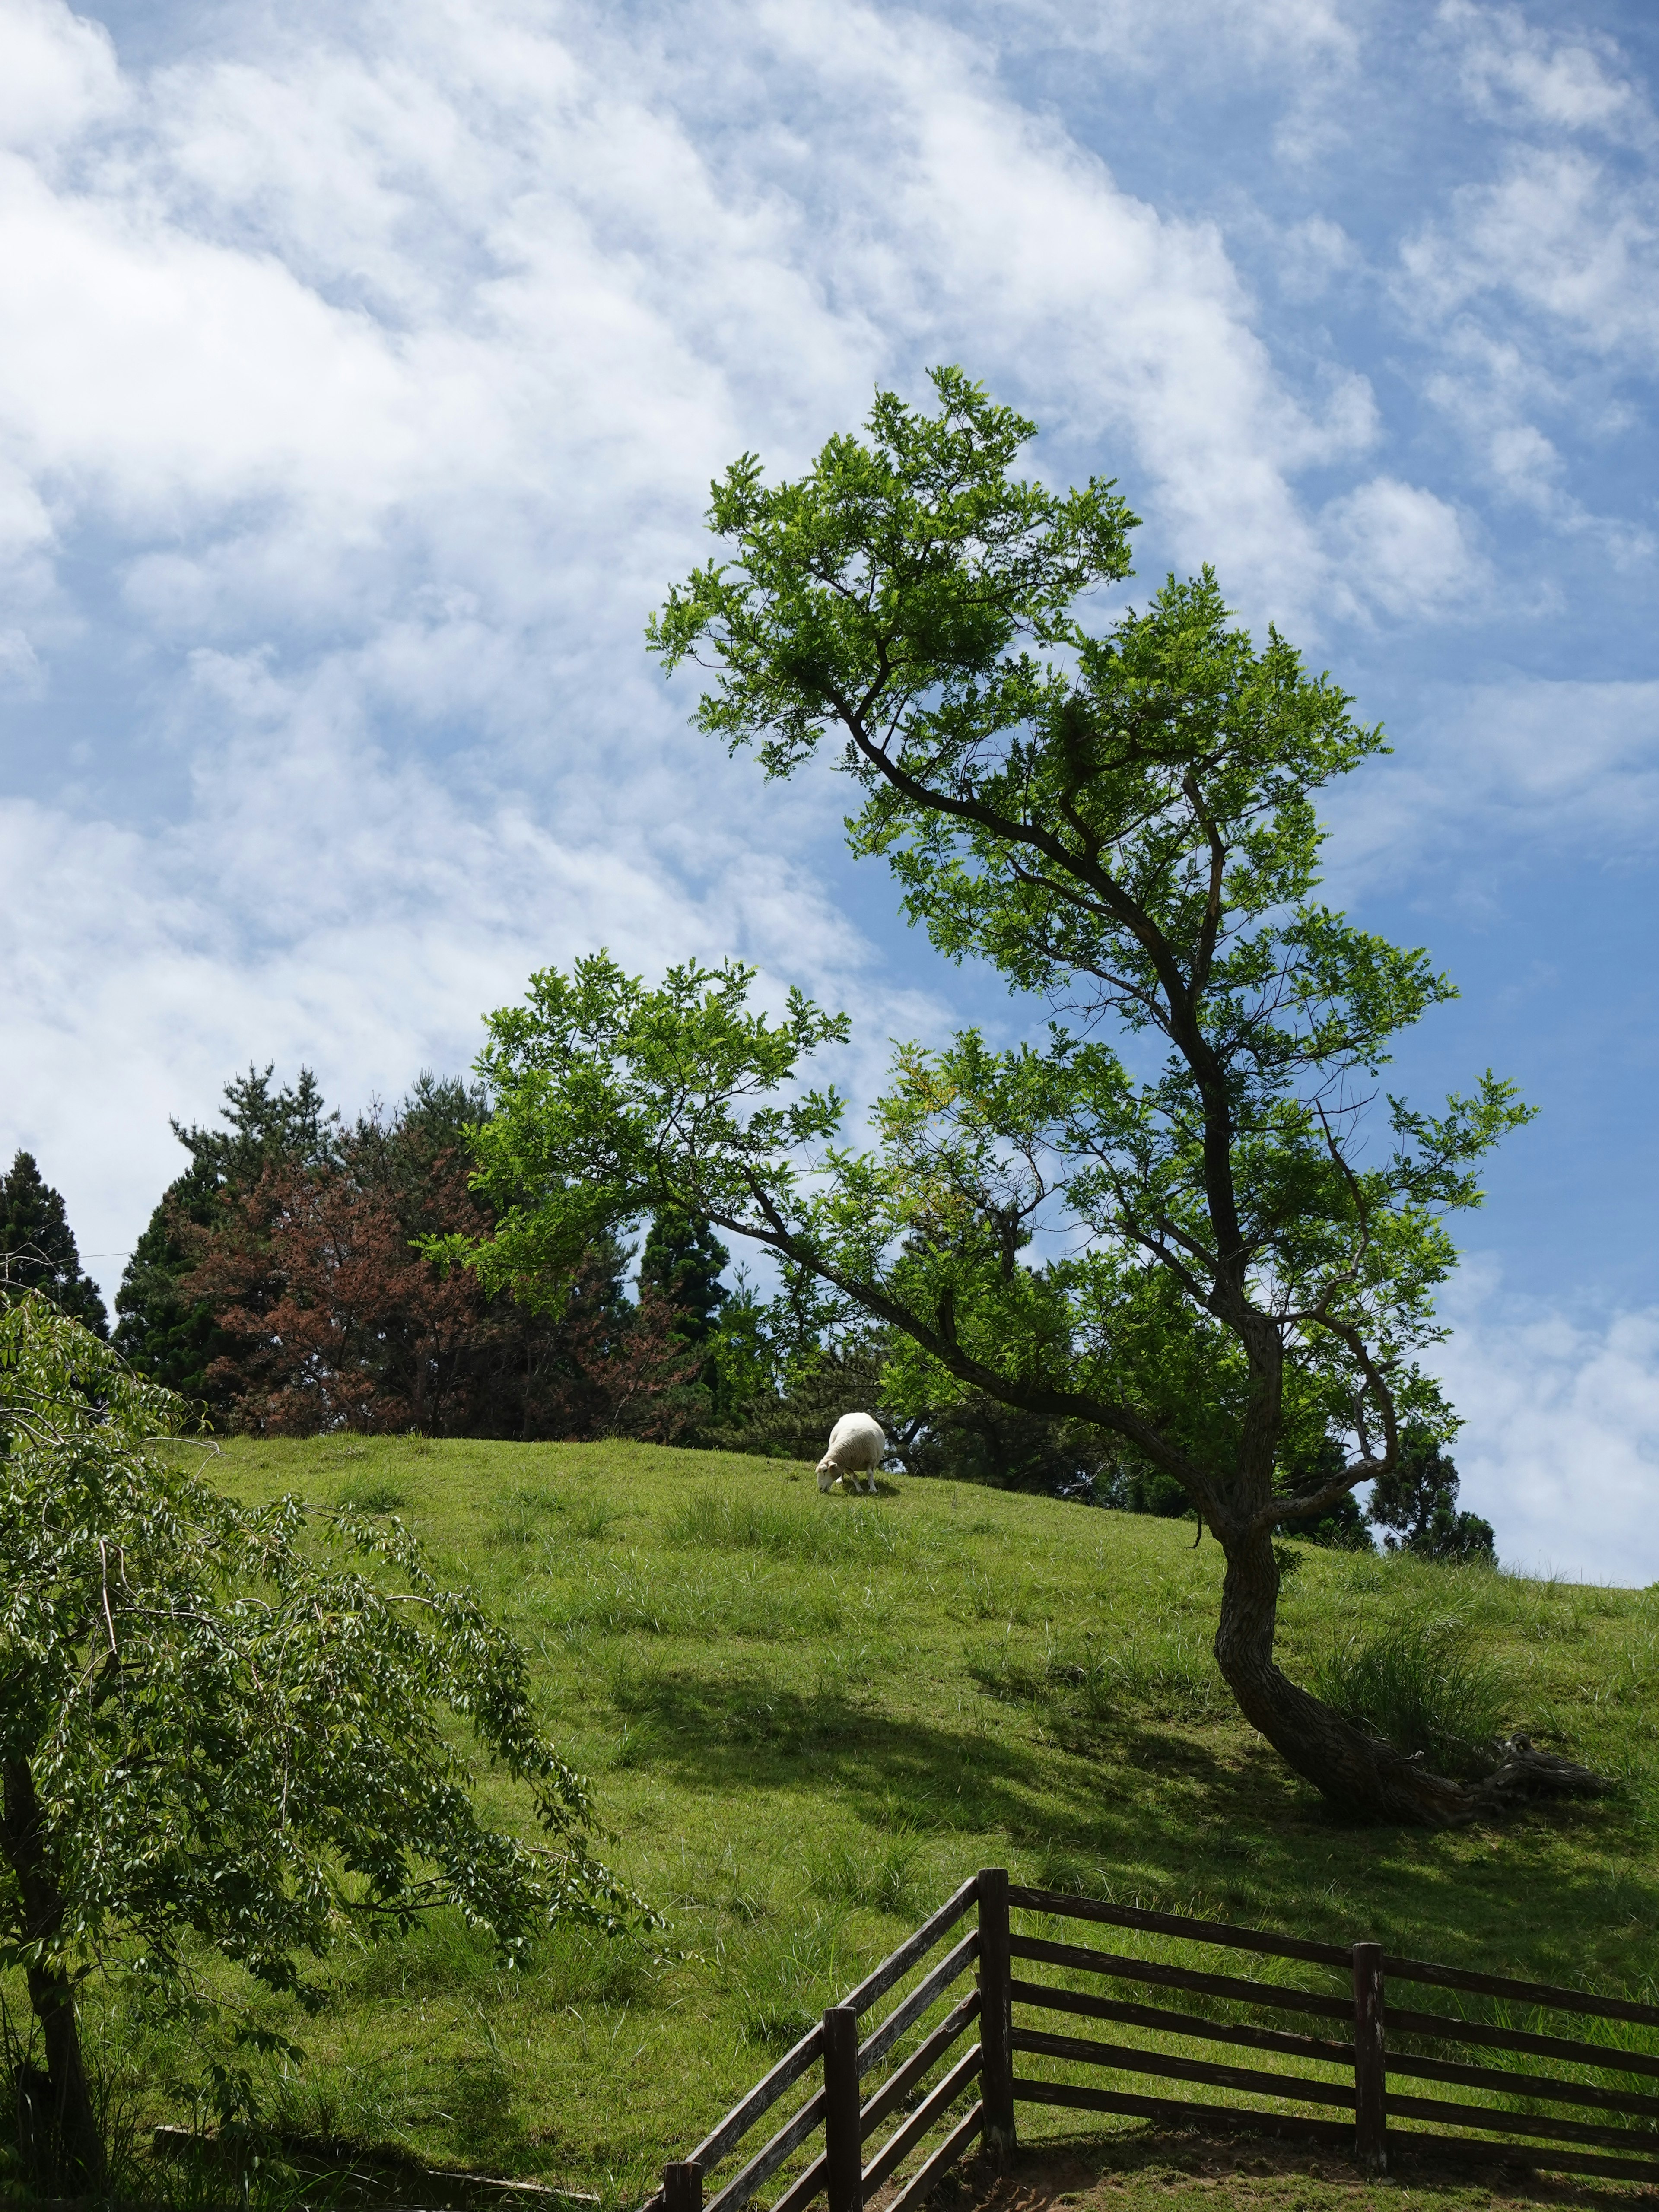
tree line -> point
(280, 1288)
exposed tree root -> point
(1525, 1771)
(1352, 1768)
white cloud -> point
(1560, 1450)
(1489, 394)
(1494, 777)
(1573, 244)
(1517, 69)
(385, 357)
(1401, 549)
(1312, 255)
(1537, 284)
(1123, 330)
(453, 280)
(59, 74)
(1303, 54)
(327, 904)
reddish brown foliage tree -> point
(336, 1321)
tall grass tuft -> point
(1423, 1683)
(374, 1496)
(787, 1978)
(879, 1871)
(837, 1530)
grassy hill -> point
(806, 1718)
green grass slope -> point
(806, 1718)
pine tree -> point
(37, 1250)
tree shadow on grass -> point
(742, 1727)
(1153, 1812)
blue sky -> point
(363, 370)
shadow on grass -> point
(745, 1728)
(1151, 1811)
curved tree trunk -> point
(76, 2141)
(1352, 1768)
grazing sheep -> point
(856, 1445)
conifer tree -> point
(684, 1259)
(1416, 1508)
(38, 1251)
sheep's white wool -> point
(857, 1445)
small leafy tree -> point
(229, 1720)
(1158, 1216)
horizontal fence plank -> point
(1042, 1994)
(893, 2091)
(1123, 2059)
(1331, 1954)
(905, 2137)
(927, 2178)
(953, 1964)
(1544, 2156)
(1170, 1923)
(1410, 2067)
(1273, 1996)
(898, 1964)
(726, 2134)
(767, 2160)
(1532, 1993)
(1223, 2119)
(1492, 2121)
(1480, 2031)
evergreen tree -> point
(974, 1438)
(684, 1259)
(172, 1338)
(1130, 1486)
(37, 1250)
(680, 1270)
(1416, 1507)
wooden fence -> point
(1372, 2045)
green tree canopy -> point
(37, 1250)
(1170, 1213)
(233, 1722)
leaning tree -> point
(1160, 1215)
(241, 1725)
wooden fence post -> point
(1370, 2121)
(996, 2014)
(682, 2185)
(843, 2140)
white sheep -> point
(856, 1446)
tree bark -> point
(1352, 1768)
(78, 2144)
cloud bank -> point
(365, 373)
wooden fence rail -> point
(1382, 2044)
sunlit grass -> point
(807, 1717)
